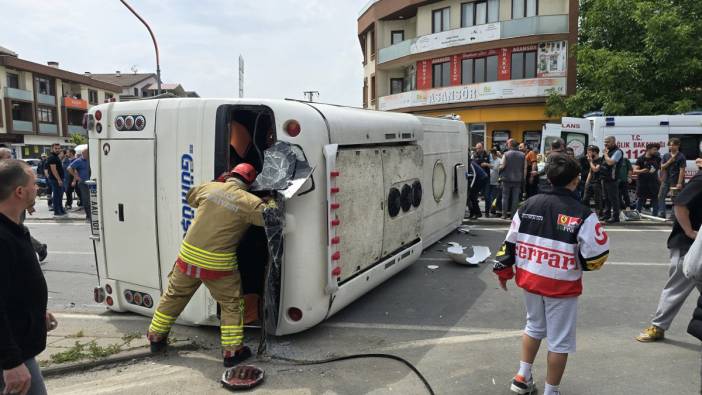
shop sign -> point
(456, 37)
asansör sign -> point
(495, 90)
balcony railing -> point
(546, 24)
(22, 126)
(48, 128)
(19, 94)
(77, 129)
(496, 90)
(49, 100)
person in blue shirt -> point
(80, 169)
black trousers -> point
(593, 190)
(612, 198)
(473, 196)
(84, 194)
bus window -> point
(243, 133)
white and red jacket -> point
(552, 240)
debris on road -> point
(432, 267)
(458, 255)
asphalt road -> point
(452, 322)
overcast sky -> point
(289, 46)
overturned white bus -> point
(365, 193)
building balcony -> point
(19, 94)
(48, 128)
(546, 24)
(22, 126)
(75, 104)
(49, 100)
(76, 129)
(496, 90)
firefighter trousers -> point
(225, 290)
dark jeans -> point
(641, 200)
(612, 199)
(662, 194)
(624, 192)
(511, 191)
(37, 384)
(49, 193)
(594, 190)
(69, 191)
(57, 197)
(473, 196)
(84, 195)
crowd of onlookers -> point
(505, 177)
(65, 172)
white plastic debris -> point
(464, 229)
(432, 267)
(458, 255)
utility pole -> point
(310, 94)
(241, 76)
(153, 38)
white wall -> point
(385, 29)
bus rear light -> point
(98, 295)
(148, 301)
(119, 123)
(108, 288)
(292, 127)
(336, 256)
(335, 206)
(336, 272)
(128, 122)
(335, 222)
(128, 296)
(334, 189)
(98, 128)
(335, 240)
(98, 115)
(138, 299)
(295, 314)
(139, 122)
(334, 173)
(109, 301)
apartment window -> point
(363, 49)
(479, 70)
(13, 80)
(441, 74)
(45, 115)
(480, 12)
(441, 20)
(396, 85)
(523, 65)
(92, 96)
(372, 89)
(372, 44)
(397, 36)
(524, 8)
(44, 85)
(108, 96)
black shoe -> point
(472, 216)
(478, 215)
(42, 252)
(159, 346)
(239, 356)
(487, 214)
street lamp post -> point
(153, 38)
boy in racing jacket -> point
(552, 240)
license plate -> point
(94, 216)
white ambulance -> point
(382, 187)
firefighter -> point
(225, 210)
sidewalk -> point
(43, 213)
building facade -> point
(42, 104)
(132, 86)
(492, 62)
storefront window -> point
(477, 134)
(499, 139)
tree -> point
(636, 57)
(78, 139)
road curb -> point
(135, 354)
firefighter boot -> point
(233, 358)
(157, 342)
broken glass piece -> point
(284, 165)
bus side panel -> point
(362, 209)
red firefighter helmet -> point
(246, 171)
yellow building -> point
(491, 62)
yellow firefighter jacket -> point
(225, 210)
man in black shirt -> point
(647, 184)
(687, 207)
(55, 168)
(24, 321)
(482, 158)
